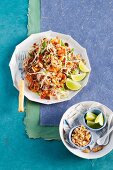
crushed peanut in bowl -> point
(80, 136)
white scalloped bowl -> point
(26, 45)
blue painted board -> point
(91, 24)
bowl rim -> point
(105, 121)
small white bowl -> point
(74, 145)
(96, 111)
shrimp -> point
(45, 94)
(55, 41)
(61, 52)
(62, 77)
(53, 69)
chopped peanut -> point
(97, 148)
(86, 151)
(81, 136)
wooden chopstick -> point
(21, 96)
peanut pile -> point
(81, 136)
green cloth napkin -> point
(32, 117)
(33, 128)
(33, 17)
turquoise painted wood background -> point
(17, 152)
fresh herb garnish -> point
(63, 88)
(72, 50)
(62, 44)
(75, 71)
(44, 44)
(69, 75)
(68, 58)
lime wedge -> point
(83, 67)
(72, 85)
(78, 77)
(90, 123)
(99, 119)
(93, 124)
(91, 116)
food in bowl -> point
(52, 69)
(95, 119)
(80, 136)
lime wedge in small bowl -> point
(72, 85)
(78, 77)
(83, 67)
(90, 116)
(94, 119)
(99, 119)
(93, 124)
(90, 123)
